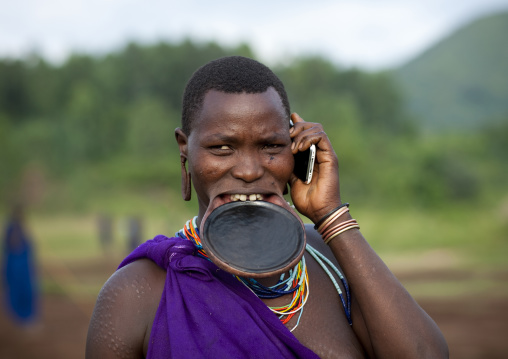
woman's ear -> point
(181, 139)
(186, 180)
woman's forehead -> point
(241, 109)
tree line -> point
(110, 120)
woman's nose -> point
(248, 168)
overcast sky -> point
(372, 34)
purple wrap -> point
(205, 312)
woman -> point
(168, 300)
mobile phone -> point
(304, 164)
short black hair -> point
(231, 74)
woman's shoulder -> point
(314, 239)
(142, 274)
(139, 282)
(125, 308)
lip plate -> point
(253, 239)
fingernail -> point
(293, 145)
(291, 129)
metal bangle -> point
(329, 214)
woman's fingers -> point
(304, 134)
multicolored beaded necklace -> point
(296, 283)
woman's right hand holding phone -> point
(322, 195)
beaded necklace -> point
(296, 283)
(321, 259)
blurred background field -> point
(455, 270)
(422, 148)
(410, 242)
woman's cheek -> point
(282, 166)
(212, 171)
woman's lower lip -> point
(225, 198)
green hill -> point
(461, 82)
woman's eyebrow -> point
(272, 137)
(220, 137)
(268, 137)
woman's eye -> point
(220, 149)
(272, 146)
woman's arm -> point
(391, 324)
(396, 326)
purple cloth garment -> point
(205, 312)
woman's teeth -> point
(245, 197)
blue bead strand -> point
(319, 257)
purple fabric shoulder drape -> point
(205, 312)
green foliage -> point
(14, 90)
(150, 128)
(9, 156)
(497, 134)
(98, 125)
(444, 178)
(377, 99)
(459, 84)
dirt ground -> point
(475, 326)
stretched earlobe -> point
(186, 180)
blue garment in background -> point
(19, 277)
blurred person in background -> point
(19, 270)
(168, 300)
(134, 232)
(105, 232)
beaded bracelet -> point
(318, 224)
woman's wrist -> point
(327, 216)
(336, 222)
